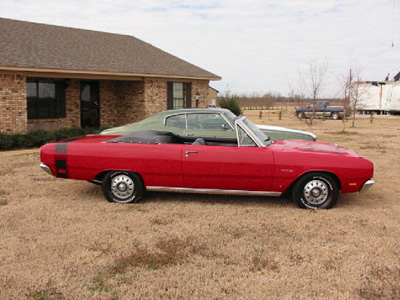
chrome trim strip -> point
(367, 185)
(211, 191)
(240, 123)
(227, 121)
(46, 169)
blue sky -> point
(256, 46)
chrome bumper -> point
(367, 185)
(46, 169)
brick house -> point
(53, 77)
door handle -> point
(188, 152)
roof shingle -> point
(40, 46)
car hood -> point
(313, 147)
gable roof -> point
(397, 77)
(34, 46)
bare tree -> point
(356, 92)
(317, 77)
(345, 82)
(312, 84)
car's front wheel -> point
(300, 115)
(122, 187)
(316, 191)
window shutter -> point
(170, 99)
(188, 87)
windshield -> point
(262, 137)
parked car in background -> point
(283, 133)
(204, 122)
(323, 109)
(248, 164)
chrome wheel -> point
(316, 192)
(122, 186)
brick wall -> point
(73, 104)
(13, 110)
(200, 86)
(121, 102)
(155, 94)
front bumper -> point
(46, 169)
(367, 185)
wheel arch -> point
(99, 177)
(333, 175)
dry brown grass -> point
(60, 239)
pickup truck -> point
(322, 109)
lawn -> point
(60, 239)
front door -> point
(90, 104)
(227, 168)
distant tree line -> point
(267, 100)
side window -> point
(178, 121)
(244, 139)
(208, 122)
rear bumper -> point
(46, 169)
(367, 185)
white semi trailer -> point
(376, 96)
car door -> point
(208, 124)
(227, 168)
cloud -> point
(255, 45)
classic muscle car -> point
(249, 164)
(204, 122)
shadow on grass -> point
(345, 200)
(154, 197)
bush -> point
(230, 101)
(6, 141)
(38, 138)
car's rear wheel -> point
(122, 187)
(316, 191)
(335, 116)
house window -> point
(46, 98)
(179, 95)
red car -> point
(251, 164)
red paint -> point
(273, 168)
